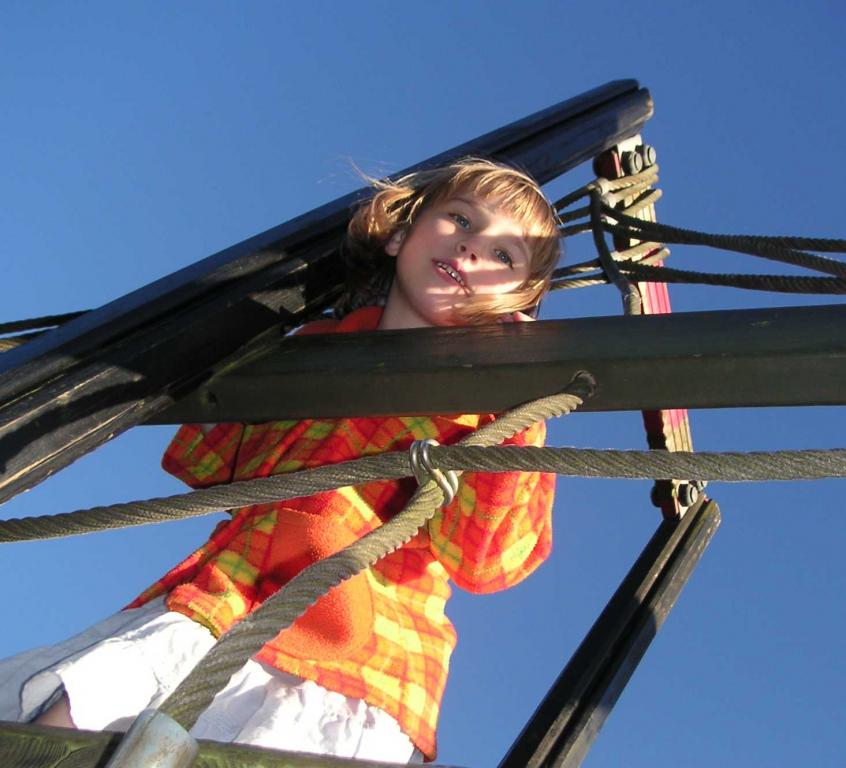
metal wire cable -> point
(567, 462)
(731, 467)
(386, 466)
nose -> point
(464, 251)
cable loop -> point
(423, 469)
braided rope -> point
(642, 202)
(575, 214)
(386, 466)
(195, 692)
(823, 244)
(626, 193)
(567, 462)
(574, 229)
(578, 282)
(768, 248)
(630, 295)
(579, 268)
(644, 253)
(774, 283)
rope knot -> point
(421, 466)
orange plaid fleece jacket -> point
(383, 636)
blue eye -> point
(462, 221)
(504, 257)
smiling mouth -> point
(446, 268)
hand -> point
(516, 317)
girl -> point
(362, 672)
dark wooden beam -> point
(761, 357)
(72, 389)
(566, 722)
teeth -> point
(451, 272)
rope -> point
(728, 467)
(387, 466)
(642, 272)
(630, 294)
(612, 198)
(279, 611)
(775, 283)
(574, 229)
(578, 268)
(580, 282)
(567, 462)
(633, 184)
(575, 214)
(644, 253)
(643, 179)
(769, 248)
(823, 244)
(641, 202)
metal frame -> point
(68, 391)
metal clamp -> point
(421, 466)
(155, 740)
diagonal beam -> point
(562, 729)
(761, 357)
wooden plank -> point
(569, 718)
(760, 357)
(76, 387)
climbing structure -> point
(64, 392)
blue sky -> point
(139, 138)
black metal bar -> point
(761, 357)
(77, 386)
(566, 722)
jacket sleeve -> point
(201, 458)
(498, 529)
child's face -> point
(460, 247)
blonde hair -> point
(395, 205)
